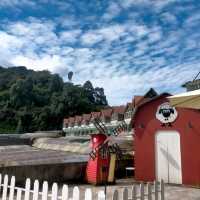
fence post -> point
(27, 189)
(5, 187)
(162, 190)
(0, 181)
(156, 190)
(54, 194)
(134, 193)
(88, 194)
(142, 191)
(101, 195)
(76, 193)
(115, 195)
(12, 188)
(125, 194)
(149, 191)
(36, 190)
(65, 192)
(45, 191)
(19, 194)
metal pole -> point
(105, 191)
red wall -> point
(146, 125)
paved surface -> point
(27, 155)
(182, 193)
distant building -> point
(192, 85)
(111, 117)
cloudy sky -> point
(125, 46)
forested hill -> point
(38, 100)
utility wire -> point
(196, 76)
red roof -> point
(71, 119)
(119, 109)
(86, 117)
(137, 100)
(66, 120)
(95, 114)
(78, 119)
(107, 112)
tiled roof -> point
(78, 119)
(119, 109)
(107, 112)
(71, 119)
(86, 117)
(137, 100)
(96, 114)
(66, 120)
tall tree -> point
(31, 100)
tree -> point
(21, 93)
(31, 100)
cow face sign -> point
(166, 113)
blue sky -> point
(124, 46)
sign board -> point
(166, 113)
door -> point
(168, 157)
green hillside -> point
(31, 100)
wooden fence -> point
(9, 191)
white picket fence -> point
(9, 191)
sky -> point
(124, 46)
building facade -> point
(166, 142)
(111, 117)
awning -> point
(186, 100)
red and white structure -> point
(167, 142)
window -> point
(120, 117)
(107, 119)
(114, 116)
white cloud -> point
(168, 17)
(112, 11)
(70, 36)
(91, 38)
(192, 20)
(12, 3)
(125, 59)
(45, 62)
(155, 4)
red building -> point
(95, 115)
(167, 142)
(86, 119)
(106, 115)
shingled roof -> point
(119, 109)
(107, 112)
(66, 120)
(87, 117)
(78, 119)
(71, 120)
(95, 114)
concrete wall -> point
(9, 139)
(51, 173)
